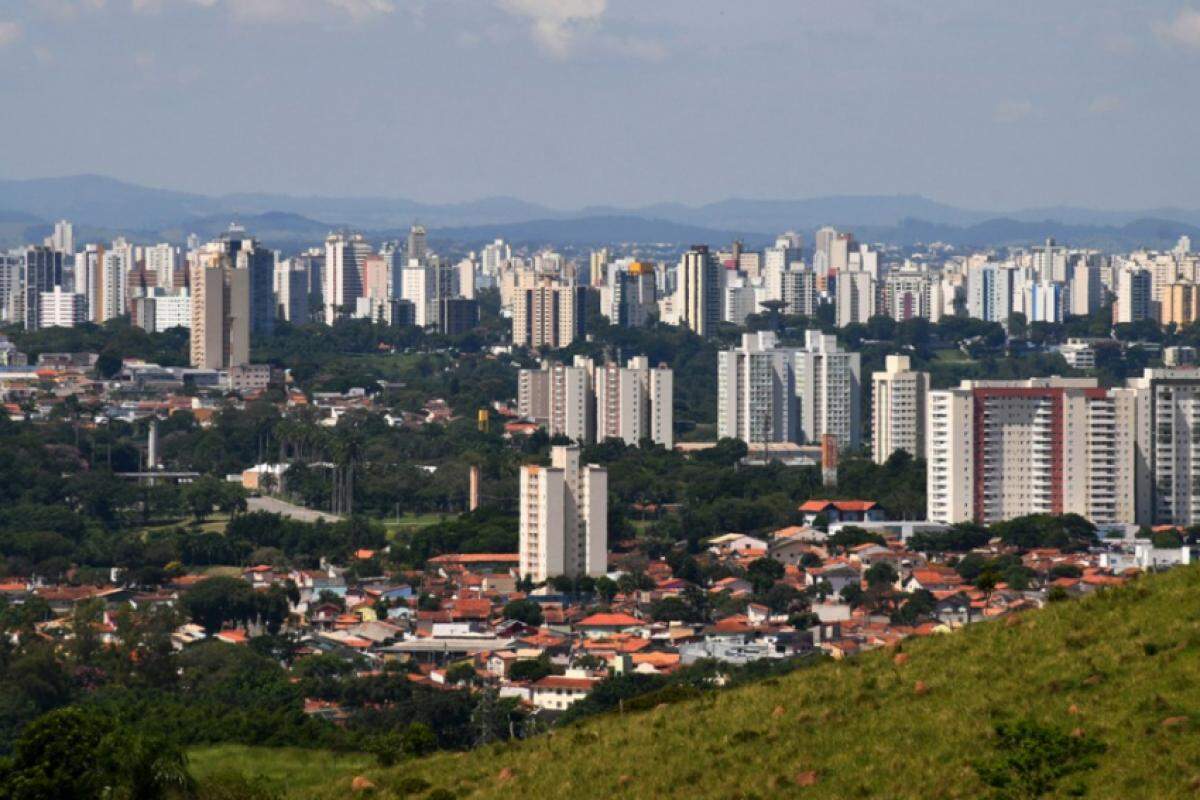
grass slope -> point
(1114, 666)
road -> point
(277, 506)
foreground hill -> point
(1095, 698)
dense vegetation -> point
(1094, 698)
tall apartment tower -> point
(1169, 428)
(635, 402)
(828, 391)
(756, 391)
(342, 271)
(564, 518)
(246, 253)
(292, 290)
(548, 314)
(220, 332)
(1002, 449)
(1134, 299)
(41, 271)
(417, 246)
(699, 291)
(559, 398)
(898, 409)
(1180, 304)
(1087, 292)
(855, 298)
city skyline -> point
(577, 102)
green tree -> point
(526, 611)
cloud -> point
(1184, 30)
(1012, 111)
(557, 24)
(9, 32)
(68, 9)
(1105, 104)
(280, 10)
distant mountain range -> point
(103, 207)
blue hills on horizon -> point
(105, 206)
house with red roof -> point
(602, 625)
(841, 511)
(560, 692)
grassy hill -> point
(1108, 688)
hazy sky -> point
(993, 105)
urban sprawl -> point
(1046, 399)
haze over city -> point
(576, 102)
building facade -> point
(898, 409)
(563, 518)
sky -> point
(987, 104)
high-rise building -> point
(1049, 262)
(992, 290)
(418, 246)
(756, 391)
(855, 298)
(699, 291)
(10, 284)
(494, 256)
(1168, 429)
(1003, 449)
(1180, 305)
(220, 331)
(292, 290)
(246, 253)
(468, 269)
(419, 286)
(63, 238)
(908, 294)
(1087, 292)
(559, 398)
(345, 255)
(1134, 287)
(564, 518)
(898, 409)
(457, 315)
(798, 290)
(828, 391)
(635, 402)
(41, 271)
(629, 295)
(548, 314)
(60, 309)
(161, 261)
(1045, 301)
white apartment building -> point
(828, 391)
(419, 286)
(898, 409)
(756, 391)
(855, 298)
(60, 309)
(1002, 449)
(1134, 296)
(698, 294)
(342, 273)
(908, 295)
(160, 260)
(1169, 429)
(635, 402)
(798, 289)
(767, 393)
(559, 398)
(563, 518)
